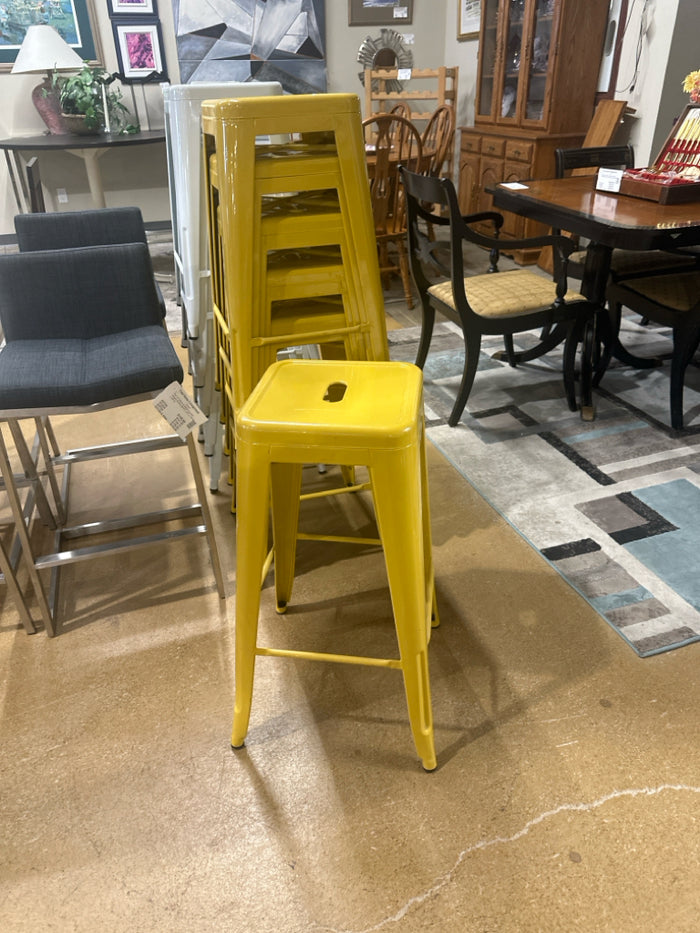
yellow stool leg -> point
(430, 599)
(286, 490)
(397, 490)
(253, 498)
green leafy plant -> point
(85, 93)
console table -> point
(87, 148)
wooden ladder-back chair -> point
(396, 142)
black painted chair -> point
(494, 302)
(671, 299)
(623, 262)
(586, 161)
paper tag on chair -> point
(182, 414)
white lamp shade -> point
(44, 50)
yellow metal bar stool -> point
(326, 152)
(311, 192)
(291, 237)
(362, 413)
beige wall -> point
(425, 37)
(139, 175)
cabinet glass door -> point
(513, 51)
(488, 53)
(539, 58)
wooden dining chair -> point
(401, 110)
(492, 303)
(582, 160)
(438, 139)
(396, 141)
(672, 299)
(586, 160)
(623, 262)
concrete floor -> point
(568, 781)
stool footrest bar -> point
(336, 491)
(335, 658)
(338, 539)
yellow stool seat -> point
(347, 412)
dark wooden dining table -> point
(609, 221)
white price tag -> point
(404, 74)
(609, 179)
(513, 185)
(178, 409)
(400, 12)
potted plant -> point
(83, 96)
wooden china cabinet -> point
(536, 85)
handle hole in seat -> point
(335, 392)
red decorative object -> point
(45, 99)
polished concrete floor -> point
(568, 784)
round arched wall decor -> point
(387, 50)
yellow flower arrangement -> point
(691, 85)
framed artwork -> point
(72, 20)
(380, 12)
(132, 7)
(276, 44)
(139, 50)
(469, 19)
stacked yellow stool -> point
(342, 412)
(291, 234)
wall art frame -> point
(131, 8)
(468, 19)
(273, 46)
(380, 12)
(76, 27)
(139, 46)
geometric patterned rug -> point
(613, 504)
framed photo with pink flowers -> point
(139, 45)
(132, 7)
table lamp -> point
(44, 50)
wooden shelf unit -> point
(427, 86)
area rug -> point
(612, 504)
